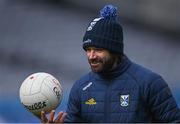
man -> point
(116, 90)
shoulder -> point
(148, 81)
(142, 74)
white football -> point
(40, 91)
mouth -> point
(95, 64)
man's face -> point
(100, 59)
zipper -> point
(107, 102)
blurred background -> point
(46, 36)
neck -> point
(116, 63)
(108, 74)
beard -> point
(102, 65)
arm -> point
(161, 103)
(74, 106)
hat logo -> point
(93, 23)
(87, 41)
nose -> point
(91, 54)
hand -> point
(59, 119)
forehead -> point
(103, 50)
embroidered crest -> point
(124, 100)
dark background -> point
(46, 36)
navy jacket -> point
(130, 93)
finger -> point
(43, 117)
(58, 118)
(63, 117)
(51, 116)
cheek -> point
(88, 57)
(106, 59)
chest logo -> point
(88, 85)
(90, 102)
(124, 100)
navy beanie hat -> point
(105, 31)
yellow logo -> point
(90, 102)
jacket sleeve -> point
(161, 103)
(73, 107)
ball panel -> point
(36, 86)
(26, 86)
(54, 84)
(30, 99)
(53, 94)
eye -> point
(99, 49)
